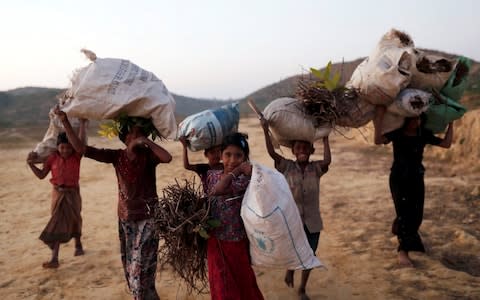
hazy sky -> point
(218, 48)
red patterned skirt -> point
(230, 273)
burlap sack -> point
(288, 122)
(273, 224)
(109, 86)
(387, 70)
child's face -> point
(302, 150)
(65, 150)
(133, 134)
(214, 155)
(232, 157)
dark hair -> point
(125, 129)
(237, 139)
(122, 133)
(62, 138)
(205, 152)
(126, 123)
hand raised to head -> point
(61, 114)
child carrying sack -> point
(109, 86)
(206, 129)
(273, 223)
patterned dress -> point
(229, 267)
(137, 194)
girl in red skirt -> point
(65, 222)
(229, 268)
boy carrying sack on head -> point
(303, 177)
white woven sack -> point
(410, 103)
(288, 122)
(382, 75)
(48, 144)
(109, 86)
(273, 223)
(207, 128)
(431, 80)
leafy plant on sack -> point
(112, 128)
(324, 98)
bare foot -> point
(404, 260)
(50, 264)
(79, 251)
(289, 278)
(302, 294)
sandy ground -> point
(356, 244)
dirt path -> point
(356, 245)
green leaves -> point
(109, 129)
(203, 229)
(213, 223)
(203, 233)
(112, 128)
(324, 77)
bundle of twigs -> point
(324, 105)
(182, 221)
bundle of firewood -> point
(182, 222)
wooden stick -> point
(254, 108)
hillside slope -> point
(29, 106)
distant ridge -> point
(29, 106)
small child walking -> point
(66, 221)
(303, 177)
(137, 196)
(230, 273)
(213, 156)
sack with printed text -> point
(110, 87)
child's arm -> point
(448, 138)
(40, 173)
(159, 152)
(223, 186)
(82, 131)
(186, 163)
(327, 155)
(271, 151)
(378, 125)
(77, 144)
